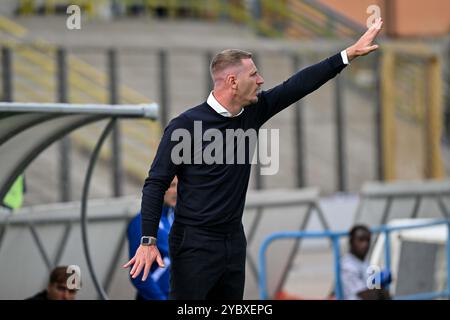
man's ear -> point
(231, 81)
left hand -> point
(364, 45)
(143, 260)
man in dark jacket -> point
(207, 241)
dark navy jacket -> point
(213, 195)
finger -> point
(374, 24)
(373, 48)
(378, 21)
(132, 271)
(373, 34)
(368, 50)
(374, 29)
(160, 261)
(126, 265)
(378, 24)
(138, 270)
(146, 271)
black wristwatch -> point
(148, 241)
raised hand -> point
(365, 44)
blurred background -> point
(379, 131)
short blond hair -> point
(227, 58)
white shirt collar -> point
(213, 103)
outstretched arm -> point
(313, 77)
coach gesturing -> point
(207, 241)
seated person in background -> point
(354, 269)
(156, 286)
(57, 287)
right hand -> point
(143, 259)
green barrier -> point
(14, 197)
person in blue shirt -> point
(156, 286)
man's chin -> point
(250, 102)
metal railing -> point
(140, 155)
(291, 18)
(335, 236)
(305, 204)
(260, 205)
(42, 72)
(58, 120)
(65, 90)
(67, 215)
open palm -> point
(365, 44)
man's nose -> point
(260, 80)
